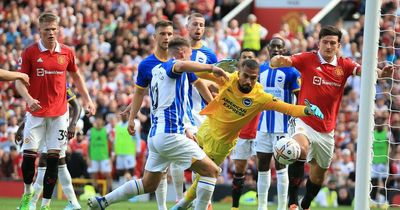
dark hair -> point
(330, 30)
(278, 38)
(249, 50)
(194, 15)
(163, 23)
(178, 42)
(251, 64)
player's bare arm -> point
(14, 75)
(191, 66)
(33, 104)
(280, 61)
(203, 90)
(88, 104)
(76, 112)
(135, 107)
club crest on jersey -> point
(339, 71)
(280, 79)
(247, 102)
(61, 59)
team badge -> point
(339, 71)
(274, 99)
(247, 102)
(61, 59)
(26, 141)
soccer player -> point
(323, 78)
(167, 141)
(239, 100)
(202, 54)
(14, 75)
(283, 83)
(63, 173)
(245, 146)
(163, 34)
(47, 63)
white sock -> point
(204, 191)
(161, 194)
(177, 179)
(38, 185)
(66, 182)
(46, 202)
(283, 187)
(127, 190)
(263, 183)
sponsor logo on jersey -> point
(319, 81)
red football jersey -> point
(249, 131)
(322, 84)
(48, 75)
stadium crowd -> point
(110, 39)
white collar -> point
(42, 48)
(323, 61)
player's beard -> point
(245, 89)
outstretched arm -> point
(280, 61)
(191, 66)
(14, 75)
(294, 110)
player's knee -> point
(214, 171)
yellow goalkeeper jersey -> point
(232, 109)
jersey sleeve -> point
(275, 104)
(212, 58)
(169, 68)
(298, 60)
(352, 67)
(72, 67)
(142, 79)
(24, 64)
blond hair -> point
(48, 17)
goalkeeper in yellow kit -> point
(238, 101)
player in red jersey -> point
(47, 63)
(324, 76)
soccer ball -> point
(286, 151)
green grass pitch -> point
(12, 203)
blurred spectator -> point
(344, 197)
(78, 159)
(99, 152)
(253, 33)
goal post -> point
(367, 96)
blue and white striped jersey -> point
(196, 103)
(167, 92)
(144, 70)
(281, 83)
